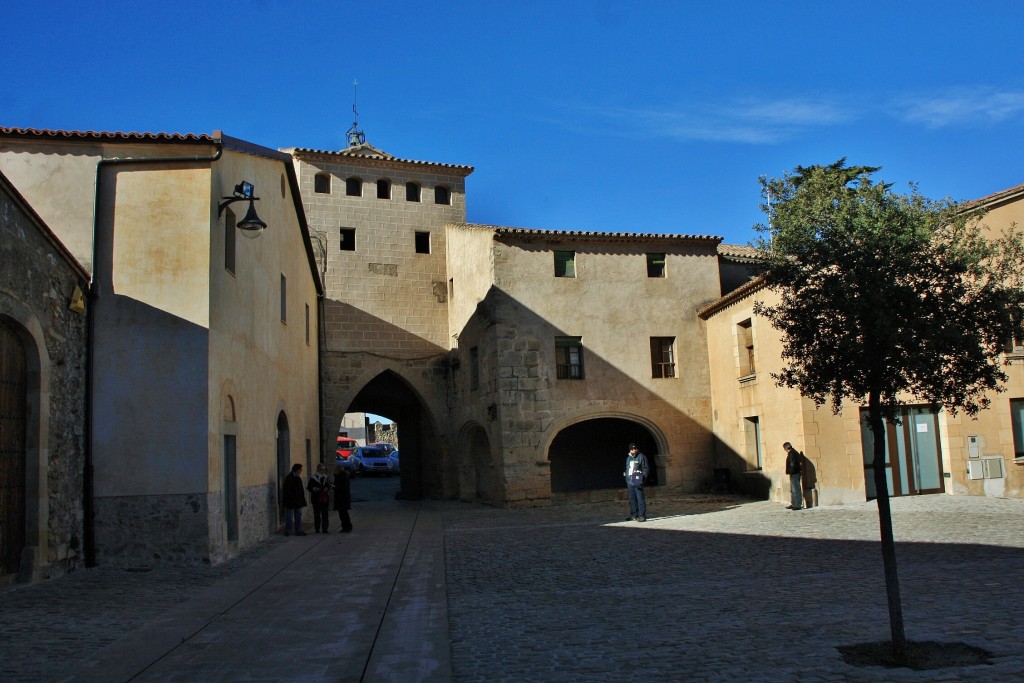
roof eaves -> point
(104, 136)
(732, 297)
(587, 235)
(300, 152)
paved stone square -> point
(709, 589)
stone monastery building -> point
(518, 363)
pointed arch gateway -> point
(422, 472)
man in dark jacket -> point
(794, 468)
(319, 487)
(636, 472)
(293, 499)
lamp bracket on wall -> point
(250, 225)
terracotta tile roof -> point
(104, 135)
(592, 235)
(739, 251)
(741, 292)
(996, 197)
(370, 153)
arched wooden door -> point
(13, 415)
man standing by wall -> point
(636, 472)
(794, 467)
(293, 499)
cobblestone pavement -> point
(725, 590)
(709, 589)
(47, 628)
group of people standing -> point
(320, 489)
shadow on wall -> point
(511, 377)
(592, 454)
(732, 474)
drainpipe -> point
(88, 508)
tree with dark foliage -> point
(885, 296)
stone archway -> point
(589, 455)
(477, 469)
(423, 472)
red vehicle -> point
(346, 454)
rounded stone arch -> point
(587, 451)
(34, 507)
(425, 471)
(478, 469)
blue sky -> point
(610, 116)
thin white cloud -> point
(762, 121)
(744, 120)
(960, 106)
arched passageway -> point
(392, 397)
(478, 480)
(591, 454)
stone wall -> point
(38, 280)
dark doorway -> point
(14, 418)
(390, 396)
(284, 465)
(592, 454)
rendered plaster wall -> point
(615, 309)
(832, 447)
(263, 367)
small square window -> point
(565, 264)
(383, 189)
(655, 265)
(354, 187)
(412, 192)
(348, 239)
(422, 242)
(322, 183)
(442, 195)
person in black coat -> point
(319, 488)
(293, 499)
(343, 497)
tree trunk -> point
(892, 582)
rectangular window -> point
(229, 241)
(474, 368)
(752, 434)
(569, 357)
(655, 265)
(284, 299)
(451, 288)
(322, 183)
(422, 242)
(348, 239)
(1017, 420)
(307, 324)
(745, 347)
(663, 357)
(565, 264)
